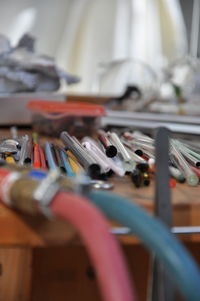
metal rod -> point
(161, 287)
(194, 39)
(175, 230)
(146, 116)
(87, 161)
(181, 128)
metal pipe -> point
(174, 230)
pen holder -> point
(78, 119)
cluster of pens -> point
(134, 153)
(29, 151)
(128, 153)
(107, 154)
(21, 150)
(16, 150)
(184, 156)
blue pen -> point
(49, 156)
(66, 164)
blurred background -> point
(111, 45)
(83, 34)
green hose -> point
(157, 238)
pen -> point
(194, 146)
(120, 147)
(42, 158)
(132, 146)
(196, 171)
(188, 156)
(143, 146)
(183, 147)
(49, 156)
(179, 160)
(110, 149)
(36, 156)
(141, 137)
(57, 157)
(36, 152)
(145, 154)
(93, 152)
(25, 151)
(93, 169)
(134, 156)
(109, 162)
(75, 166)
(80, 147)
(192, 160)
(68, 169)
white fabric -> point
(152, 31)
(83, 33)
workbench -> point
(44, 259)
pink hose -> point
(103, 249)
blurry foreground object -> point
(23, 70)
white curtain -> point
(81, 34)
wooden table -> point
(45, 260)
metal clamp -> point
(48, 187)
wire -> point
(102, 247)
(156, 237)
